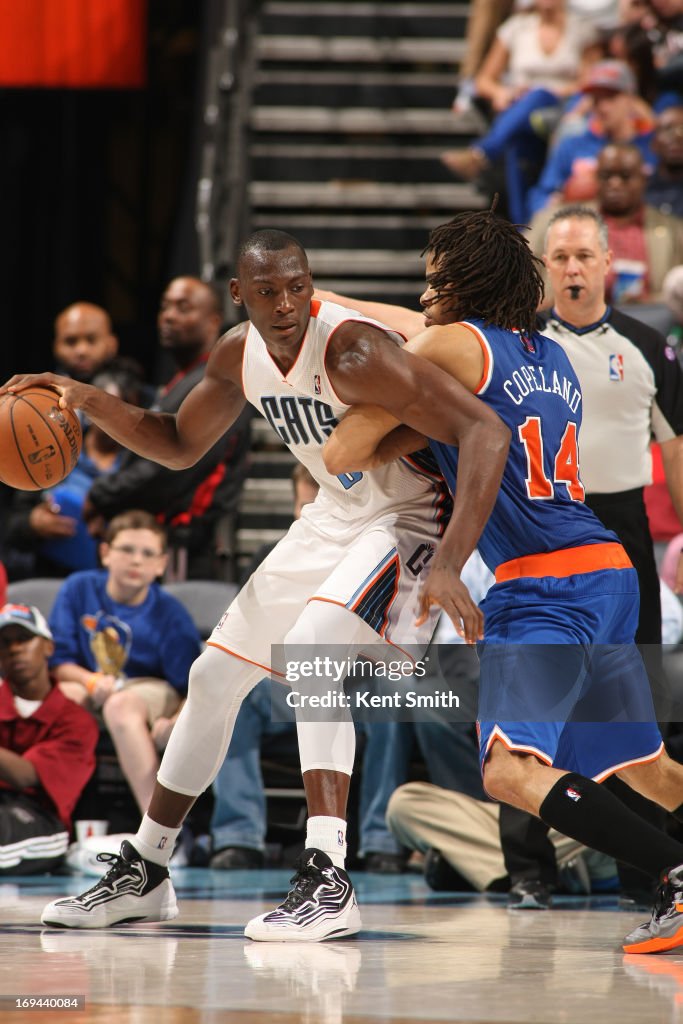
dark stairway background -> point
(350, 111)
(343, 110)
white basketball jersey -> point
(303, 409)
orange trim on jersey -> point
(498, 736)
(648, 759)
(485, 351)
(340, 604)
(315, 306)
(226, 650)
(568, 562)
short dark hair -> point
(135, 519)
(268, 240)
(486, 266)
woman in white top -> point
(534, 63)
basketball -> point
(39, 442)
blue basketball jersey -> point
(530, 383)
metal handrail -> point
(221, 197)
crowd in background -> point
(558, 83)
(583, 103)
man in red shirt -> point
(47, 748)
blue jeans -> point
(448, 748)
(239, 811)
(512, 137)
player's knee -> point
(399, 809)
(213, 679)
(500, 775)
(120, 707)
(652, 777)
(494, 782)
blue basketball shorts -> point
(560, 675)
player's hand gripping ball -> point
(39, 442)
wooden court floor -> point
(421, 957)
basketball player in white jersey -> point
(347, 574)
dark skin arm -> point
(366, 367)
(17, 771)
(176, 441)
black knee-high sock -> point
(589, 813)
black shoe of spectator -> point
(200, 853)
(237, 858)
(442, 876)
(530, 895)
(385, 863)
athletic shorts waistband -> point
(567, 562)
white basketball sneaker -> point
(320, 905)
(134, 889)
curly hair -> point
(486, 267)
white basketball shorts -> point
(373, 570)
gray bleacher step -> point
(250, 540)
(377, 288)
(263, 494)
(358, 120)
(364, 8)
(263, 433)
(272, 464)
(294, 222)
(309, 194)
(359, 50)
(382, 262)
(389, 150)
(334, 77)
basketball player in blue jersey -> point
(564, 698)
(347, 573)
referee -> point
(632, 390)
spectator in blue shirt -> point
(124, 647)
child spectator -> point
(116, 619)
(47, 748)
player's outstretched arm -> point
(407, 322)
(365, 367)
(368, 437)
(176, 441)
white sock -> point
(329, 835)
(155, 842)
